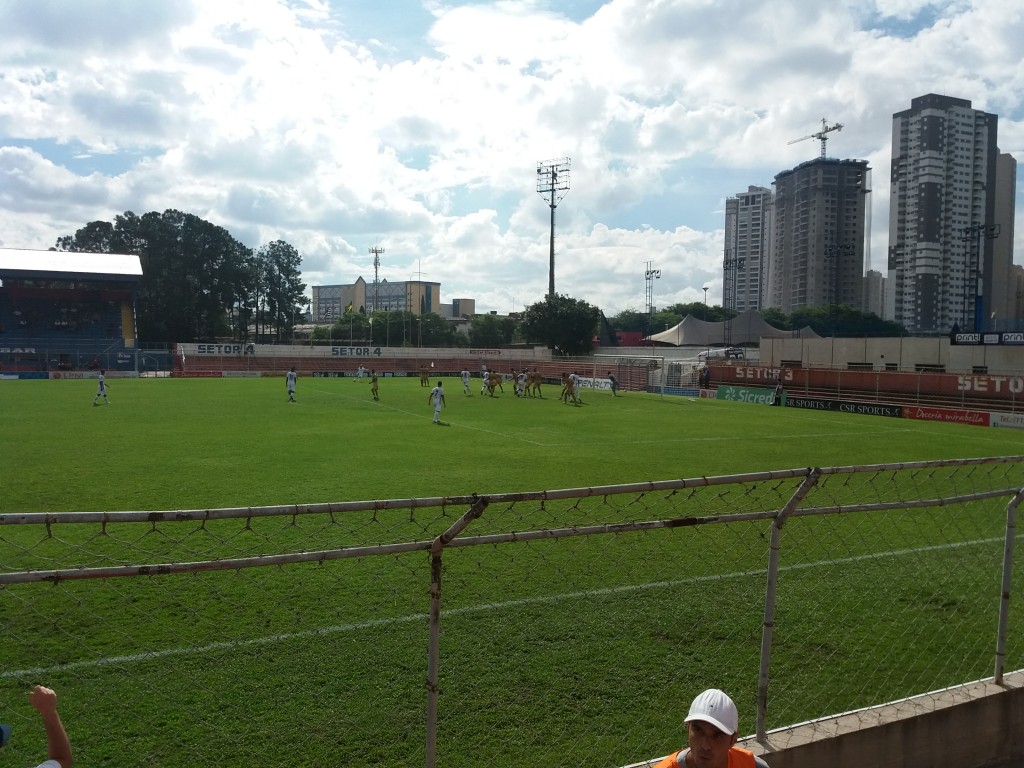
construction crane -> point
(820, 135)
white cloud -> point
(272, 119)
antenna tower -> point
(376, 251)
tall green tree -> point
(629, 320)
(280, 291)
(491, 331)
(562, 323)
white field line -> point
(35, 672)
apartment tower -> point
(748, 228)
(950, 218)
(818, 240)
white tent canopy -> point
(746, 328)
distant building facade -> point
(748, 233)
(874, 292)
(415, 296)
(950, 218)
(818, 235)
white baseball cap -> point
(715, 707)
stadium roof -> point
(23, 264)
(748, 327)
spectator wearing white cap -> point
(712, 727)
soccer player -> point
(568, 389)
(289, 381)
(535, 381)
(465, 382)
(437, 398)
(521, 383)
(576, 388)
(494, 380)
(615, 384)
(373, 383)
(101, 389)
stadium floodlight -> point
(650, 275)
(552, 184)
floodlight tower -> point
(552, 184)
(650, 275)
(376, 251)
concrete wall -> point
(980, 725)
(903, 354)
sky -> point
(416, 126)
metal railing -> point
(539, 628)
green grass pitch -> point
(188, 443)
(324, 664)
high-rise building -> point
(748, 227)
(948, 217)
(874, 292)
(1002, 312)
(818, 238)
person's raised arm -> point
(58, 747)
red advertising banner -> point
(948, 415)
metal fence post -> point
(768, 627)
(1004, 599)
(434, 649)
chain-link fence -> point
(548, 628)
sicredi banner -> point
(746, 395)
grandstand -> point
(67, 311)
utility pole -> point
(376, 251)
(552, 185)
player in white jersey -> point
(437, 398)
(289, 381)
(101, 389)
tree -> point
(562, 323)
(629, 320)
(491, 331)
(844, 321)
(776, 317)
(281, 297)
(435, 331)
